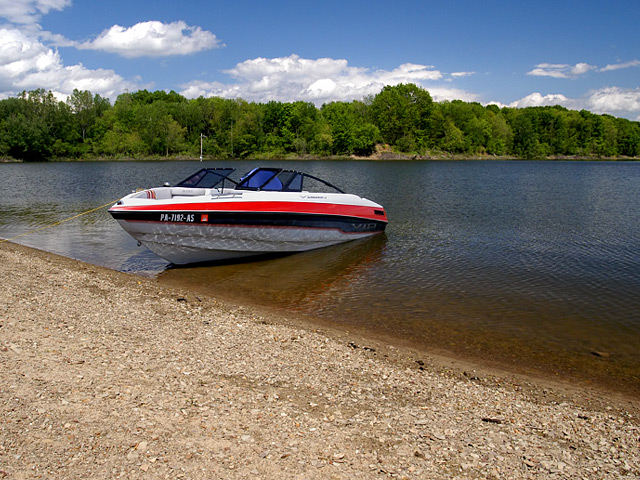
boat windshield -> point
(207, 178)
(280, 180)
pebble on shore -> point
(107, 375)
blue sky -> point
(579, 54)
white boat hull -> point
(187, 243)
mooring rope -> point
(57, 223)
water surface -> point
(530, 265)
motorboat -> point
(210, 217)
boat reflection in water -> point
(302, 283)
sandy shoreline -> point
(107, 375)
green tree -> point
(86, 109)
(35, 122)
(157, 128)
(247, 130)
(501, 134)
(342, 126)
(350, 132)
(401, 112)
(453, 140)
(628, 137)
(119, 142)
(525, 138)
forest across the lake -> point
(401, 121)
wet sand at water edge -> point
(109, 375)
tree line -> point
(36, 126)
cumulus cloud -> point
(536, 99)
(441, 94)
(561, 70)
(21, 56)
(614, 100)
(153, 39)
(620, 102)
(27, 64)
(29, 11)
(319, 81)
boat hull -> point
(196, 226)
(188, 243)
(209, 236)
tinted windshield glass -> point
(275, 179)
(291, 181)
(206, 178)
(272, 179)
(259, 179)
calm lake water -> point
(525, 264)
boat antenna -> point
(202, 135)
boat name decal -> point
(363, 227)
(177, 217)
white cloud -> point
(323, 87)
(561, 70)
(21, 55)
(614, 100)
(580, 69)
(408, 72)
(153, 39)
(573, 71)
(618, 66)
(440, 94)
(199, 88)
(462, 74)
(319, 81)
(620, 102)
(549, 70)
(29, 11)
(27, 64)
(536, 99)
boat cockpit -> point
(259, 179)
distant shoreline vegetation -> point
(402, 122)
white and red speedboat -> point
(210, 217)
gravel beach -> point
(109, 375)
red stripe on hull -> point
(257, 207)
